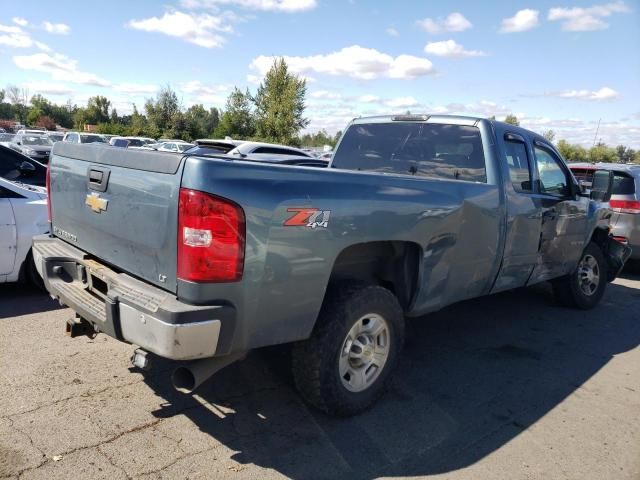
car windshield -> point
(184, 146)
(36, 140)
(92, 139)
(56, 137)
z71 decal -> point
(308, 217)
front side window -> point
(416, 149)
(553, 178)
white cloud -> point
(578, 19)
(47, 88)
(355, 62)
(57, 28)
(16, 37)
(368, 99)
(135, 88)
(605, 93)
(522, 21)
(454, 22)
(449, 48)
(60, 67)
(288, 6)
(401, 102)
(325, 94)
(201, 29)
(254, 79)
(201, 93)
(20, 21)
(391, 31)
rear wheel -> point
(586, 285)
(344, 366)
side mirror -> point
(27, 169)
(602, 185)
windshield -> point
(56, 137)
(184, 146)
(39, 140)
(92, 139)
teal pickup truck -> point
(201, 259)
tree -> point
(163, 112)
(198, 121)
(1, 96)
(280, 104)
(625, 154)
(98, 110)
(34, 114)
(549, 135)
(601, 153)
(18, 97)
(138, 123)
(512, 120)
(572, 153)
(46, 122)
(237, 120)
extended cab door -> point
(7, 232)
(563, 215)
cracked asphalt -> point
(505, 387)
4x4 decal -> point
(308, 217)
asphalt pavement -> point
(503, 387)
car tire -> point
(32, 275)
(344, 367)
(585, 286)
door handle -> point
(549, 215)
(98, 178)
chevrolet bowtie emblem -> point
(96, 203)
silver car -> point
(625, 201)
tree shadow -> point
(472, 377)
(23, 299)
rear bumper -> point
(628, 226)
(616, 255)
(126, 308)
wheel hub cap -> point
(588, 275)
(364, 353)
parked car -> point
(175, 147)
(55, 136)
(212, 152)
(31, 131)
(6, 138)
(23, 214)
(625, 200)
(249, 148)
(17, 167)
(77, 137)
(222, 255)
(37, 147)
(2, 130)
(217, 145)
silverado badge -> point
(96, 203)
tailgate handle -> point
(98, 178)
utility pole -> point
(596, 135)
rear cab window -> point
(432, 150)
(518, 162)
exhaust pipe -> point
(189, 377)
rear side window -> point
(623, 184)
(518, 161)
(416, 149)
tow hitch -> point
(78, 326)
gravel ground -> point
(509, 386)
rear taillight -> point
(211, 238)
(48, 185)
(623, 240)
(625, 206)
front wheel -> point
(345, 365)
(586, 285)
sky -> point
(563, 65)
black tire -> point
(31, 273)
(568, 289)
(315, 361)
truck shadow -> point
(22, 299)
(473, 377)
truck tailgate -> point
(119, 205)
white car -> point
(248, 148)
(23, 214)
(175, 147)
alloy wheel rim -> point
(588, 275)
(364, 352)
